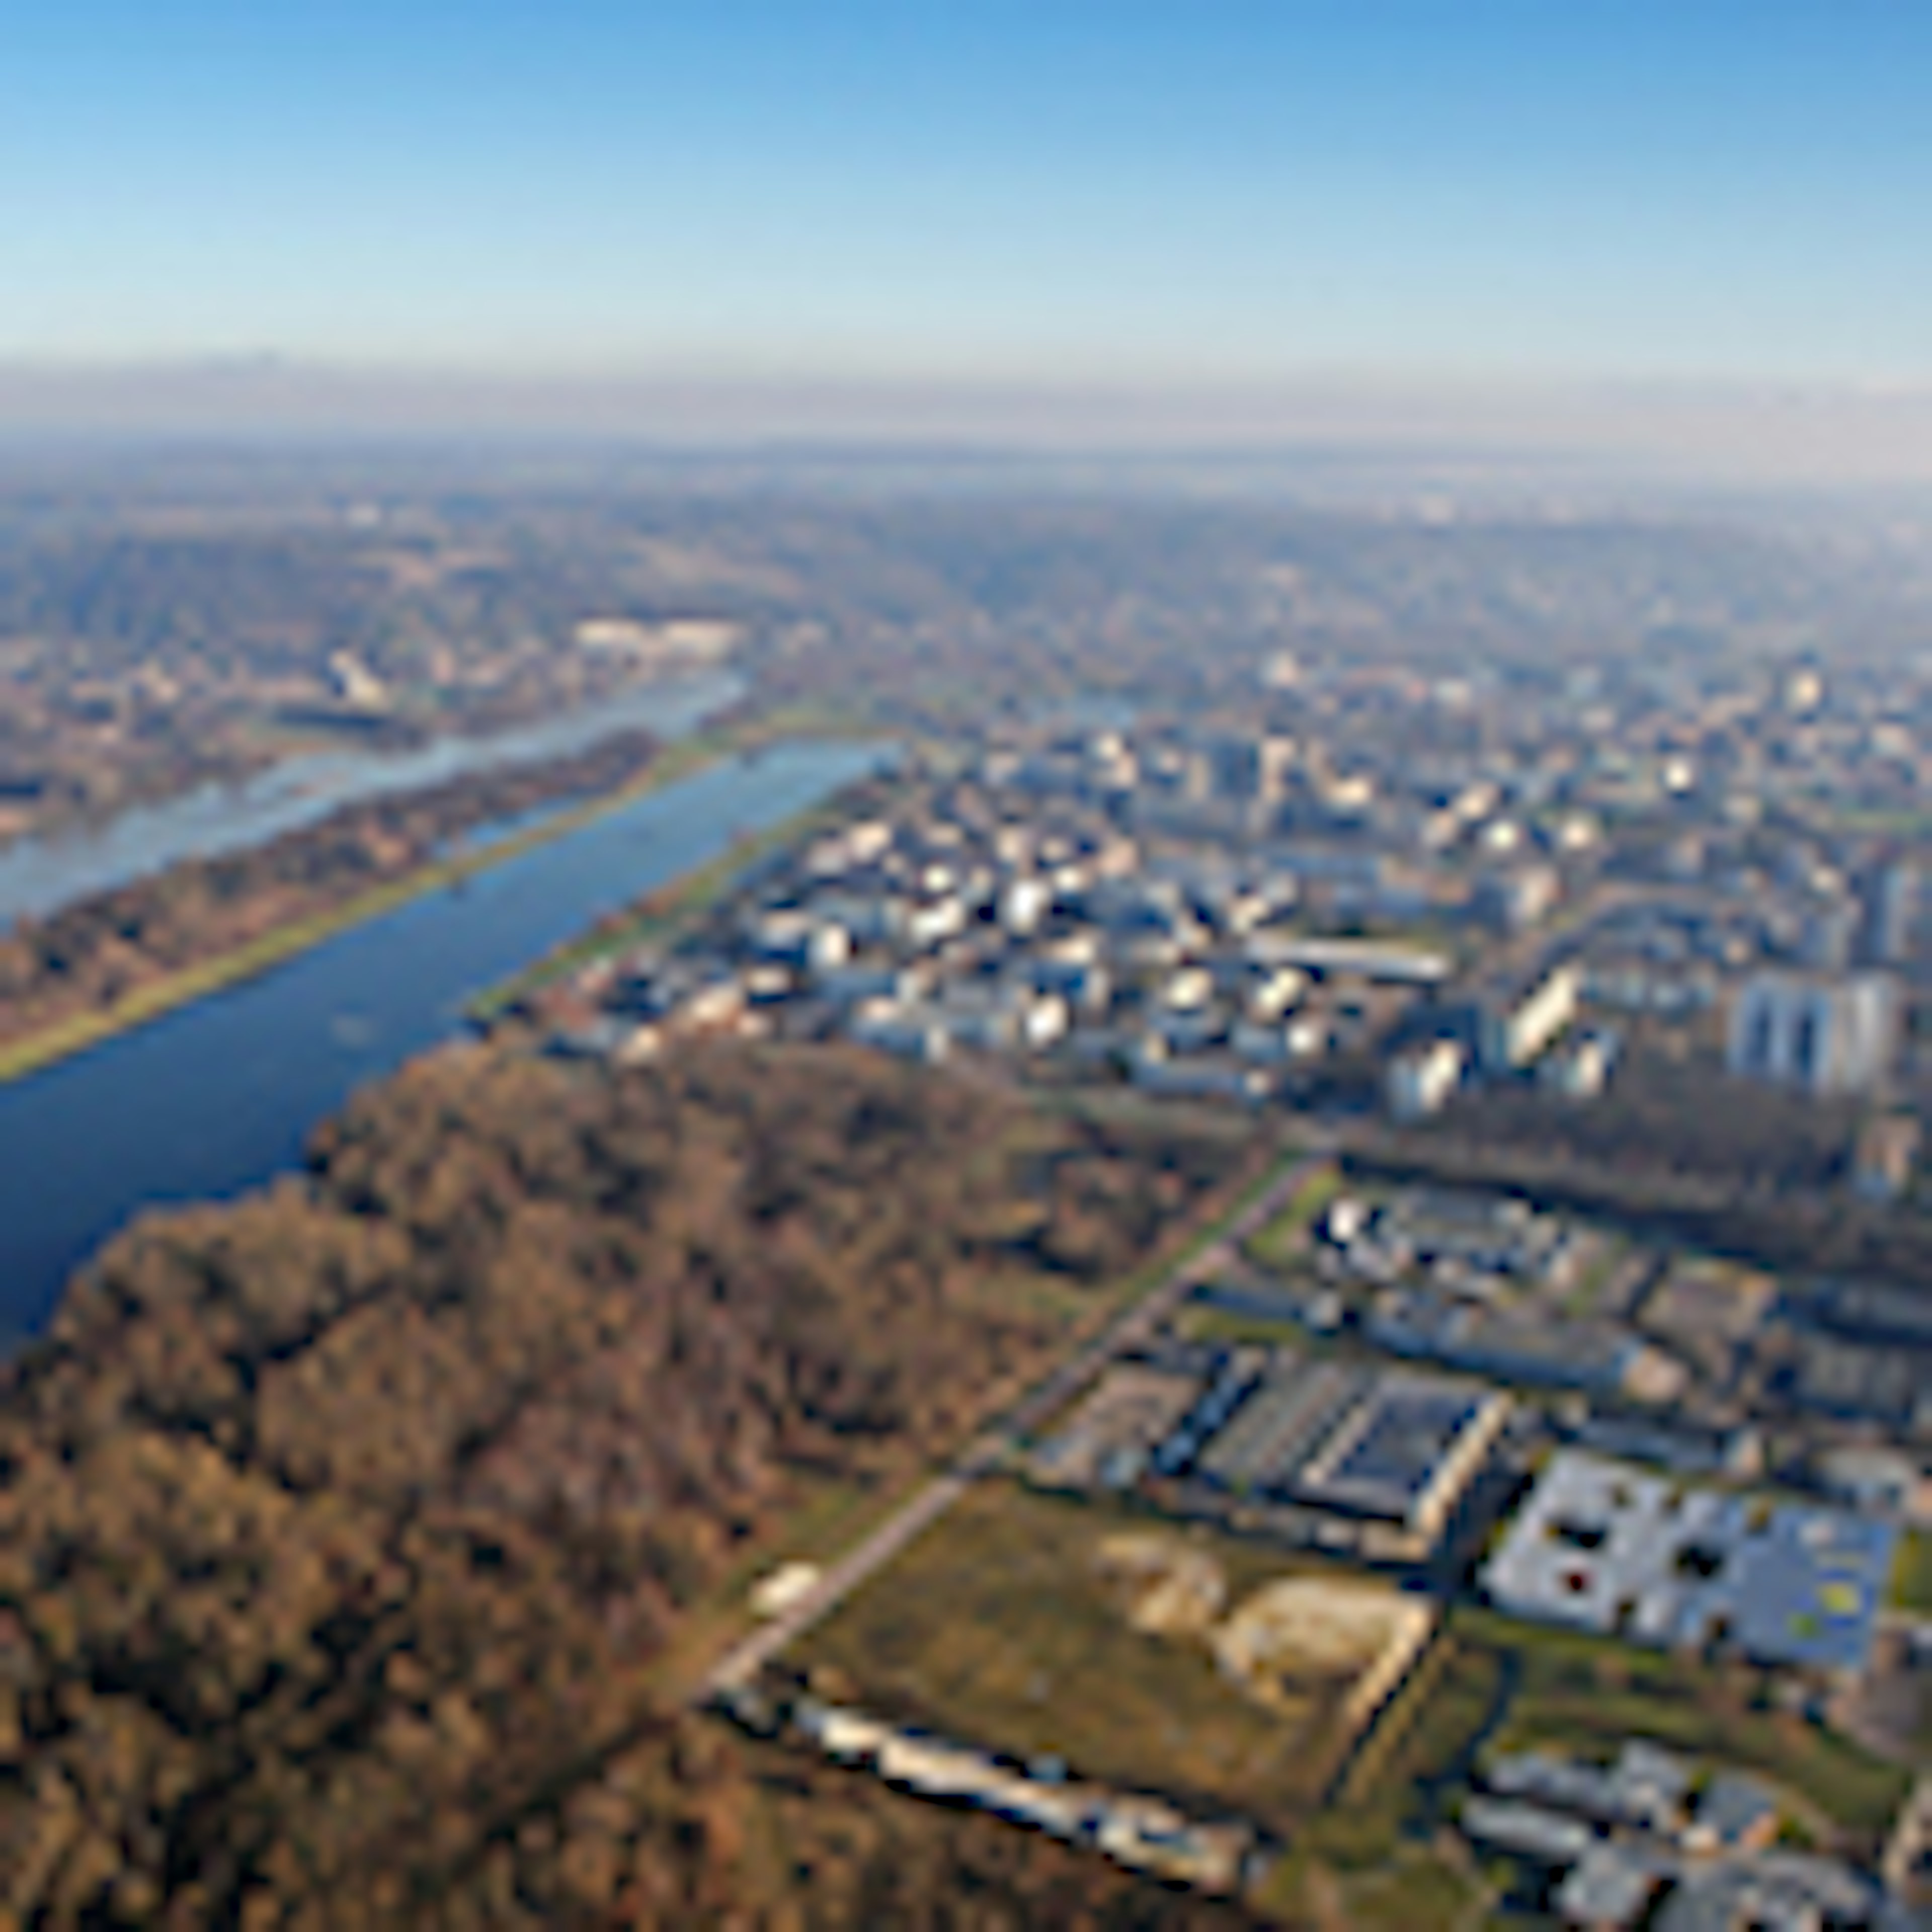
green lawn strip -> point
(1281, 1241)
(1228, 1326)
(1358, 1847)
(1911, 1573)
(661, 916)
(1405, 1888)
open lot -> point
(1015, 1624)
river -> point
(219, 1096)
(38, 875)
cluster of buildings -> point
(1293, 907)
(1237, 910)
(1649, 1840)
(1177, 908)
(1627, 1508)
(1695, 1351)
(1345, 1456)
(1482, 1284)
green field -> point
(1282, 1242)
(1912, 1574)
(995, 1627)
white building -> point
(1518, 1023)
(1582, 1070)
(1828, 1035)
(909, 1031)
(1420, 1082)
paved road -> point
(932, 1499)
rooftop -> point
(1615, 1548)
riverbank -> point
(658, 918)
(61, 1040)
(225, 1093)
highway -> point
(933, 1499)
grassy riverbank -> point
(661, 917)
(62, 1038)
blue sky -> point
(1200, 191)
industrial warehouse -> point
(1386, 1452)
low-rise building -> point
(909, 1031)
(1608, 1889)
(1420, 1081)
(1645, 1787)
(1607, 1546)
(1537, 1351)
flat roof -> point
(1371, 959)
(1282, 1422)
(1607, 1546)
(1384, 1459)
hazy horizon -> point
(934, 207)
(1690, 435)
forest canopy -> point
(346, 1526)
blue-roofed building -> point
(1607, 1547)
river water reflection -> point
(219, 1096)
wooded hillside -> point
(341, 1528)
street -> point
(934, 1497)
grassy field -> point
(1912, 1574)
(1386, 1847)
(997, 1626)
(1374, 1857)
(1282, 1242)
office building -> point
(1826, 1034)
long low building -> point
(1360, 958)
(1144, 1833)
(1537, 1351)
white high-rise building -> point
(1827, 1034)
